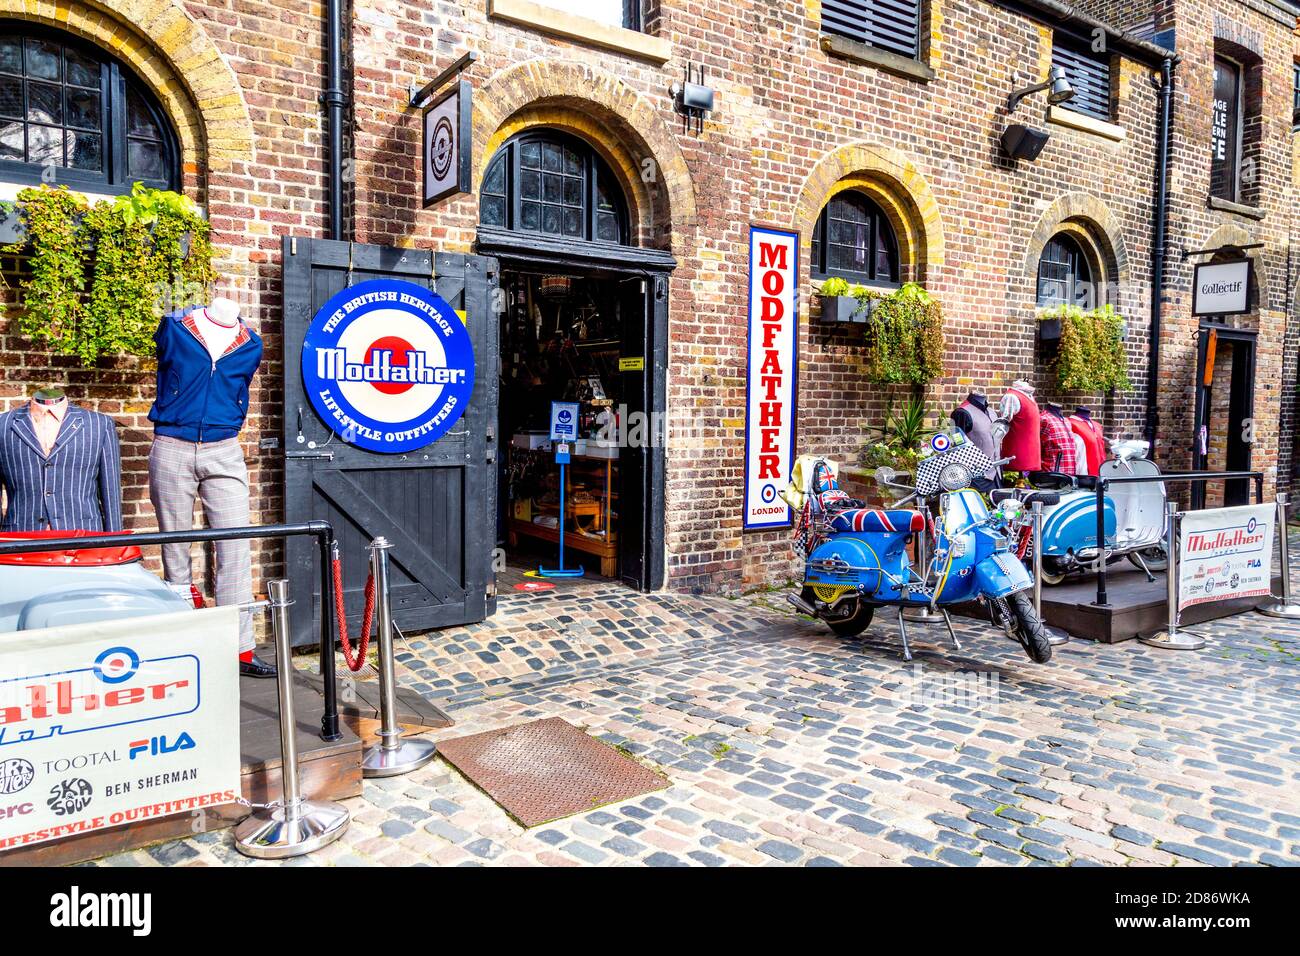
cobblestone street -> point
(787, 745)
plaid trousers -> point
(215, 473)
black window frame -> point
(890, 25)
(594, 169)
(115, 80)
(1295, 97)
(1234, 140)
(1090, 74)
(819, 259)
(1078, 264)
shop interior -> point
(572, 338)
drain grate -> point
(547, 769)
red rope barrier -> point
(358, 659)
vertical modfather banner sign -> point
(771, 372)
(117, 722)
(1225, 553)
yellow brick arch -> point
(1091, 222)
(171, 54)
(896, 185)
(620, 123)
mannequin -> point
(60, 466)
(976, 421)
(1059, 452)
(1094, 442)
(206, 361)
(1017, 428)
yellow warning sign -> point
(634, 363)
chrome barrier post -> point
(1171, 638)
(294, 826)
(923, 613)
(1055, 636)
(1285, 607)
(393, 754)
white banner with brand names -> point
(1225, 553)
(771, 373)
(117, 722)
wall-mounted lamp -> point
(1058, 87)
(693, 99)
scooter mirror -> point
(884, 474)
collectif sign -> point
(1221, 288)
(118, 722)
(388, 365)
(1225, 553)
(771, 370)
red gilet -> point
(1022, 443)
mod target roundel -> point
(116, 664)
(388, 365)
(940, 443)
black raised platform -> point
(1136, 608)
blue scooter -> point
(857, 558)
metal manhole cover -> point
(547, 769)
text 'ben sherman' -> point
(332, 365)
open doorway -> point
(1225, 407)
(577, 335)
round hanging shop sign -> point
(388, 365)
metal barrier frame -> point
(322, 531)
(1186, 476)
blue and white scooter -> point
(857, 558)
(1133, 516)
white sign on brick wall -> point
(1221, 288)
(771, 371)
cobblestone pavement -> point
(787, 745)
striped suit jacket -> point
(77, 488)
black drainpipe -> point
(1166, 90)
(334, 101)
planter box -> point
(839, 308)
(1049, 330)
(846, 308)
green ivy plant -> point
(834, 287)
(1090, 355)
(100, 277)
(905, 336)
(53, 287)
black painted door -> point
(436, 504)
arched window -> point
(72, 112)
(853, 239)
(553, 183)
(1065, 274)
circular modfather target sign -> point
(388, 365)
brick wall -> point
(791, 121)
(1266, 45)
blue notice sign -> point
(564, 421)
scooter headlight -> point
(954, 477)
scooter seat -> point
(875, 519)
(1048, 498)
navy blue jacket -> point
(198, 399)
(77, 488)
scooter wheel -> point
(1029, 628)
(859, 620)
